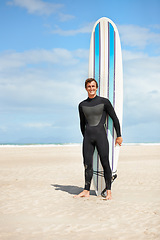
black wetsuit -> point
(93, 113)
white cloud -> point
(141, 88)
(141, 97)
(55, 56)
(57, 80)
(37, 6)
(81, 53)
(65, 17)
(155, 26)
(85, 29)
(37, 90)
(40, 7)
(38, 125)
(128, 55)
(136, 36)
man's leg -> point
(88, 149)
(103, 150)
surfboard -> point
(105, 65)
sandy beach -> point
(37, 185)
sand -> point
(37, 185)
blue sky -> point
(44, 48)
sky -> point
(44, 51)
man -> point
(93, 112)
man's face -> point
(91, 89)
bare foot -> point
(109, 195)
(84, 193)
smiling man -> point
(93, 112)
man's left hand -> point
(119, 141)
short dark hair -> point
(89, 80)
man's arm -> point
(82, 120)
(110, 110)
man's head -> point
(91, 86)
(89, 80)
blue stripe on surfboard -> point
(111, 65)
(97, 70)
(111, 86)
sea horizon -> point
(64, 144)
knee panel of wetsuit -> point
(88, 167)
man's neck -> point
(92, 96)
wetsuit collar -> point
(90, 99)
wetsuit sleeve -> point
(82, 120)
(110, 110)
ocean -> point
(64, 144)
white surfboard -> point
(105, 65)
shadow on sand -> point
(74, 190)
